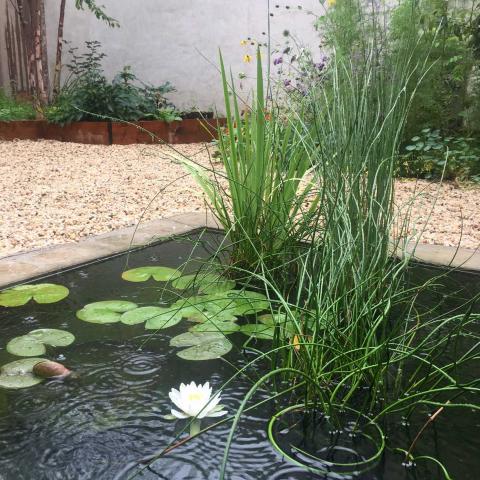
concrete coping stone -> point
(25, 266)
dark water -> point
(111, 413)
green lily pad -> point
(53, 337)
(258, 330)
(19, 374)
(202, 345)
(25, 346)
(204, 282)
(142, 274)
(237, 302)
(164, 318)
(33, 344)
(146, 314)
(216, 326)
(107, 311)
(40, 292)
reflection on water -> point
(111, 411)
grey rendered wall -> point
(178, 40)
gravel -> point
(55, 192)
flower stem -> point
(195, 427)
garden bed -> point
(189, 130)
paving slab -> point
(24, 266)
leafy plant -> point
(168, 114)
(432, 155)
(443, 33)
(265, 162)
(88, 95)
(11, 109)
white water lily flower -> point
(195, 401)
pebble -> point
(54, 192)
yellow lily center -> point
(194, 396)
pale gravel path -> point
(53, 192)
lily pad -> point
(53, 337)
(40, 292)
(107, 311)
(285, 324)
(142, 274)
(19, 374)
(237, 302)
(140, 315)
(164, 318)
(216, 326)
(25, 346)
(204, 282)
(33, 344)
(202, 345)
(258, 330)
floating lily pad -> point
(142, 274)
(203, 345)
(107, 311)
(33, 344)
(40, 292)
(164, 318)
(190, 306)
(19, 374)
(285, 324)
(258, 330)
(25, 346)
(140, 315)
(204, 282)
(53, 337)
(216, 326)
(237, 302)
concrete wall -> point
(178, 40)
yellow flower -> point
(243, 42)
(331, 3)
(247, 58)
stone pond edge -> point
(37, 263)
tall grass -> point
(265, 159)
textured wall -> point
(178, 40)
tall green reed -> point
(265, 159)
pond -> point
(111, 410)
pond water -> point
(111, 411)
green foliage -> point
(265, 163)
(97, 11)
(168, 114)
(88, 95)
(11, 109)
(443, 33)
(39, 292)
(432, 155)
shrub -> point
(88, 95)
(433, 155)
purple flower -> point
(278, 61)
(287, 82)
(319, 65)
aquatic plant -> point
(195, 401)
(265, 162)
(33, 343)
(19, 374)
(105, 311)
(348, 331)
(202, 345)
(39, 292)
(142, 274)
